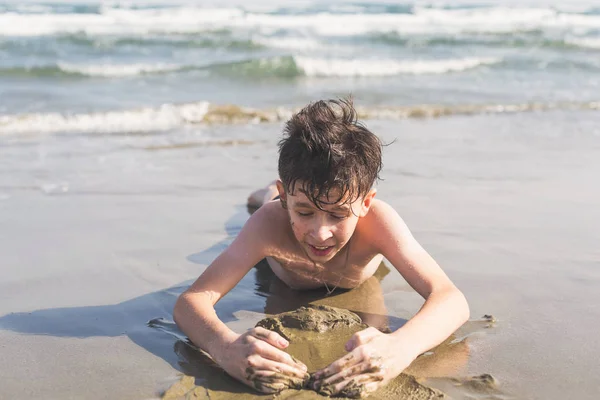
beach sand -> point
(99, 234)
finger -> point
(360, 390)
(350, 359)
(262, 379)
(362, 337)
(268, 387)
(370, 387)
(365, 367)
(261, 363)
(267, 351)
(357, 386)
(273, 338)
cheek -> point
(344, 234)
(345, 231)
(297, 226)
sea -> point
(69, 66)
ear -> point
(282, 194)
(367, 201)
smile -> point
(321, 251)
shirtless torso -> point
(353, 264)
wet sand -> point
(317, 333)
(99, 235)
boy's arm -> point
(375, 358)
(445, 308)
(255, 356)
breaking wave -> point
(590, 43)
(116, 70)
(180, 116)
(89, 70)
(283, 67)
(339, 67)
(328, 20)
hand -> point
(373, 360)
(256, 359)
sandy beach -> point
(132, 133)
(100, 235)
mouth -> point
(321, 251)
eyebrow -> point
(310, 205)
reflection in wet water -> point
(366, 300)
(439, 367)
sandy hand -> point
(373, 360)
(257, 359)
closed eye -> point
(336, 216)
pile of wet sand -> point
(317, 335)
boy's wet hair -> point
(330, 152)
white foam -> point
(169, 116)
(591, 43)
(364, 68)
(290, 43)
(116, 70)
(192, 18)
(33, 8)
(119, 21)
(141, 120)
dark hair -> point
(326, 148)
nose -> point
(320, 230)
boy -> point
(325, 230)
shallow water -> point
(99, 234)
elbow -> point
(183, 305)
(180, 305)
(463, 307)
(458, 304)
(190, 304)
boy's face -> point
(323, 233)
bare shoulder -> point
(381, 213)
(271, 211)
(384, 225)
(270, 222)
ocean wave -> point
(115, 70)
(365, 68)
(72, 70)
(270, 67)
(163, 118)
(589, 43)
(114, 21)
(221, 39)
(291, 43)
(298, 66)
(293, 67)
(49, 8)
(180, 116)
(525, 39)
(262, 44)
(280, 67)
(327, 22)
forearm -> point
(195, 315)
(442, 314)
